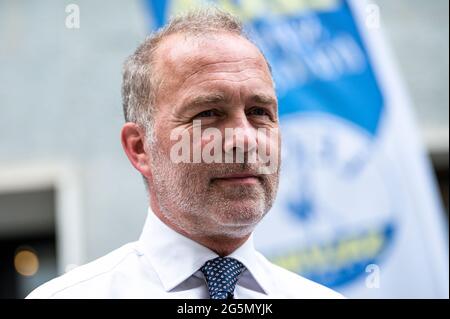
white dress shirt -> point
(165, 264)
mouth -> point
(243, 179)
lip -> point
(238, 178)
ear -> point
(134, 144)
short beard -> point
(188, 206)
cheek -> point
(274, 144)
(269, 142)
(163, 142)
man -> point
(200, 78)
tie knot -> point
(221, 275)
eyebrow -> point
(212, 98)
(263, 99)
(219, 98)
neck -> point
(222, 245)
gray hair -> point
(140, 81)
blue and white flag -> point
(357, 208)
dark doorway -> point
(27, 241)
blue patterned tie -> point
(221, 275)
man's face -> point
(219, 81)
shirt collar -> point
(175, 257)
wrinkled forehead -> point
(181, 55)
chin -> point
(240, 215)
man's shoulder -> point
(87, 280)
(292, 285)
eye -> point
(207, 113)
(258, 111)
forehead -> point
(183, 57)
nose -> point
(240, 138)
